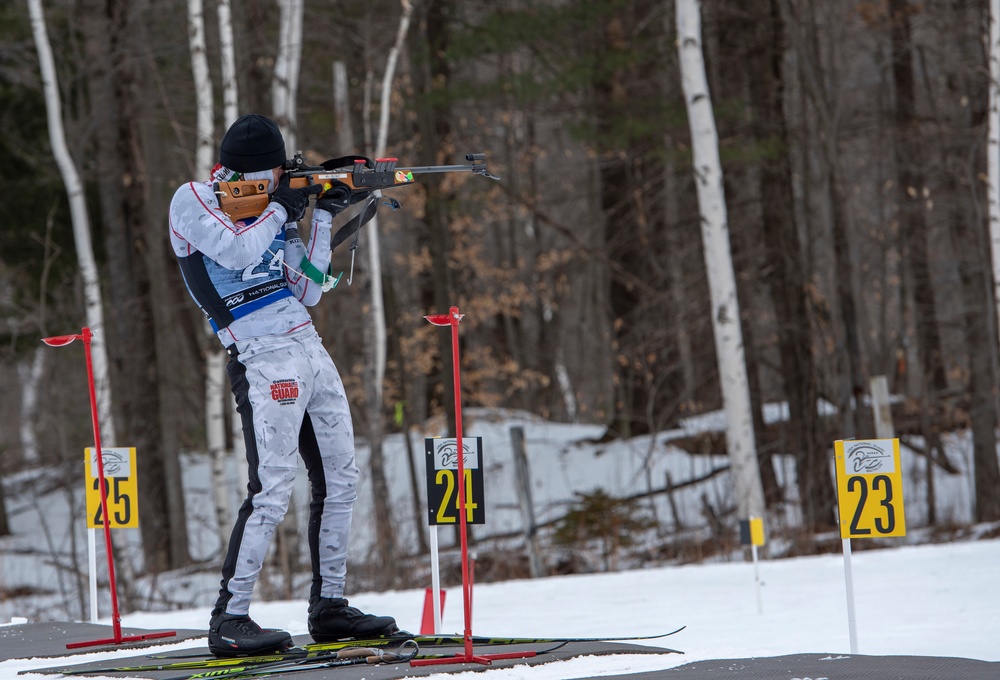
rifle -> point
(249, 198)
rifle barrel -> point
(421, 169)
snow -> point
(931, 600)
(934, 600)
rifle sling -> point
(353, 226)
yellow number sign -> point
(122, 488)
(870, 488)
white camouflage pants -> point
(292, 402)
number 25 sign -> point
(121, 487)
(870, 488)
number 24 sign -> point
(442, 480)
(870, 488)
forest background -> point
(853, 140)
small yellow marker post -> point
(752, 534)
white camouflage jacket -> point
(246, 275)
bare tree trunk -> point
(631, 220)
(675, 268)
(30, 375)
(227, 51)
(4, 524)
(285, 84)
(431, 78)
(740, 440)
(284, 94)
(399, 357)
(81, 222)
(341, 109)
(913, 206)
(912, 199)
(981, 348)
(964, 160)
(230, 112)
(802, 31)
(134, 245)
(215, 356)
(982, 353)
(787, 278)
(205, 150)
(375, 328)
(215, 436)
(993, 155)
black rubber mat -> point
(832, 667)
(27, 640)
(49, 639)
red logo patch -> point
(285, 391)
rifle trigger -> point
(392, 203)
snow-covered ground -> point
(939, 600)
(934, 600)
(565, 460)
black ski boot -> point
(331, 619)
(238, 635)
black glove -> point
(337, 199)
(294, 201)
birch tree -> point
(375, 326)
(215, 357)
(993, 146)
(284, 93)
(341, 109)
(30, 375)
(205, 151)
(4, 523)
(230, 112)
(93, 311)
(285, 84)
(729, 349)
(227, 53)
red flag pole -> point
(61, 341)
(452, 318)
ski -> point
(320, 650)
(424, 641)
(297, 650)
(313, 663)
(349, 657)
(200, 660)
(224, 664)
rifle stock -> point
(248, 198)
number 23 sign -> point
(443, 503)
(870, 488)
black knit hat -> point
(252, 143)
